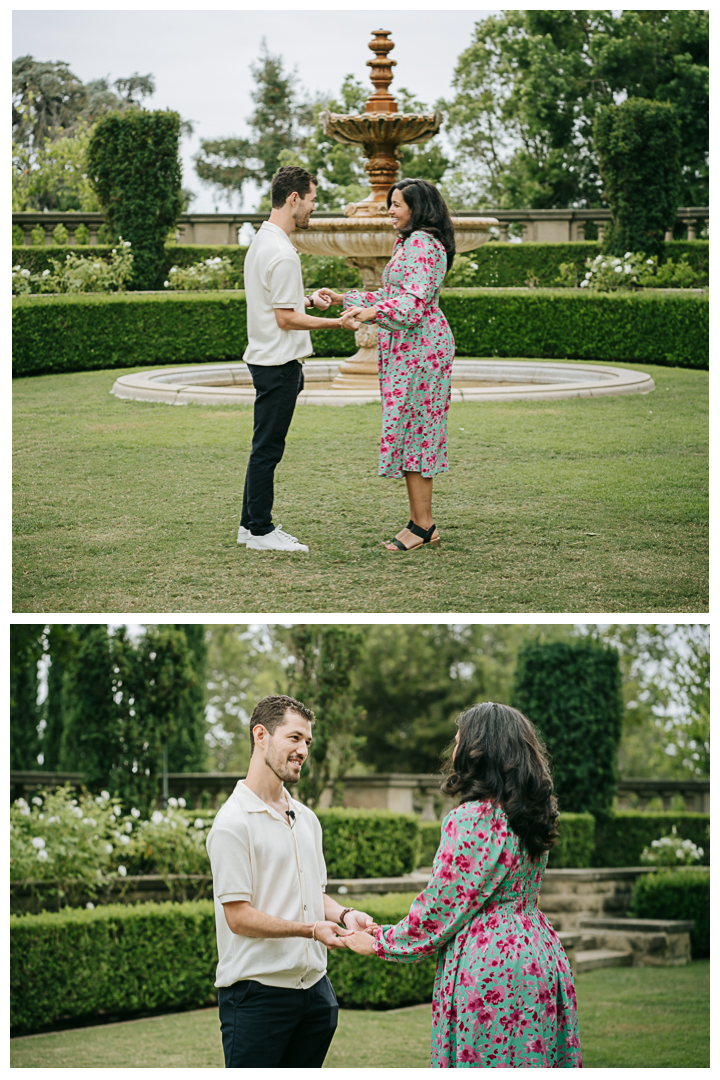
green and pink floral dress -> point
(504, 995)
(415, 355)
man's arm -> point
(289, 319)
(247, 921)
(354, 920)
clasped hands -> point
(352, 318)
(358, 936)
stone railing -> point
(404, 793)
(538, 226)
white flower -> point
(172, 802)
(45, 273)
(25, 810)
(649, 262)
(90, 821)
(114, 251)
(117, 811)
(42, 855)
(38, 842)
(583, 284)
(618, 269)
(108, 849)
(156, 817)
(604, 264)
(17, 268)
(199, 823)
(181, 802)
(53, 819)
(41, 817)
(124, 839)
(90, 906)
(96, 266)
(128, 826)
(105, 795)
(135, 813)
(25, 273)
(166, 283)
(122, 871)
(628, 255)
(126, 243)
(589, 274)
(37, 800)
(173, 269)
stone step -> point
(588, 942)
(591, 959)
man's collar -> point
(255, 805)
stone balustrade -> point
(538, 226)
(404, 793)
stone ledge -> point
(648, 926)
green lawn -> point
(562, 506)
(629, 1018)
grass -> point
(629, 1018)
(584, 505)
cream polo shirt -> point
(273, 279)
(255, 856)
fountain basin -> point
(473, 380)
(374, 237)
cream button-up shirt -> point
(255, 857)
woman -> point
(415, 351)
(504, 994)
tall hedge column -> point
(134, 169)
(573, 694)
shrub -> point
(638, 148)
(53, 334)
(606, 272)
(369, 843)
(133, 166)
(572, 693)
(118, 960)
(504, 265)
(676, 894)
(671, 851)
(429, 841)
(621, 836)
(575, 842)
(75, 274)
(213, 273)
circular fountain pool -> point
(473, 380)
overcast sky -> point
(201, 60)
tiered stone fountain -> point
(366, 237)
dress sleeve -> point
(358, 298)
(470, 863)
(420, 280)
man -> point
(274, 921)
(278, 340)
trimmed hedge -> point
(676, 894)
(621, 837)
(369, 843)
(87, 332)
(575, 843)
(505, 265)
(655, 327)
(120, 960)
(429, 841)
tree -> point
(134, 169)
(320, 670)
(62, 645)
(572, 692)
(26, 649)
(529, 86)
(276, 124)
(53, 174)
(638, 147)
(187, 749)
(90, 741)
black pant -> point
(276, 391)
(266, 1027)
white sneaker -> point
(243, 535)
(277, 540)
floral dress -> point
(415, 355)
(504, 995)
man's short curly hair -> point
(270, 712)
(288, 179)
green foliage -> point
(649, 327)
(572, 693)
(321, 664)
(328, 270)
(116, 959)
(214, 273)
(187, 748)
(684, 894)
(53, 175)
(671, 852)
(26, 649)
(622, 836)
(429, 841)
(134, 169)
(575, 843)
(37, 259)
(605, 273)
(530, 84)
(62, 645)
(638, 146)
(75, 274)
(368, 843)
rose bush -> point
(77, 274)
(216, 273)
(671, 851)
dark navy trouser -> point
(265, 1027)
(276, 392)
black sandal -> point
(426, 534)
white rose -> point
(122, 871)
(628, 255)
(37, 800)
(128, 826)
(90, 906)
(124, 839)
(108, 849)
(583, 284)
(199, 823)
(42, 855)
(38, 842)
(618, 269)
(105, 795)
(182, 803)
(25, 273)
(135, 813)
(156, 817)
(172, 802)
(166, 283)
(45, 273)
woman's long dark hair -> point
(500, 757)
(427, 212)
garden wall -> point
(85, 332)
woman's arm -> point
(420, 278)
(471, 862)
(248, 921)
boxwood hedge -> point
(574, 846)
(676, 894)
(621, 836)
(117, 961)
(83, 332)
(369, 843)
